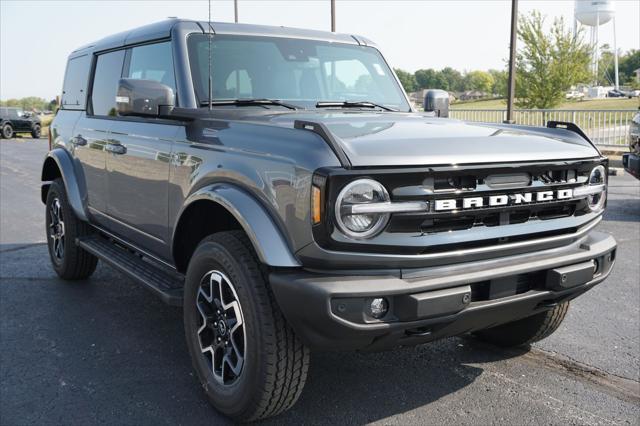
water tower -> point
(594, 13)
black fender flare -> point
(268, 240)
(64, 163)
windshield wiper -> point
(249, 102)
(352, 104)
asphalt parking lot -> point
(107, 351)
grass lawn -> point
(612, 103)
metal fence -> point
(604, 127)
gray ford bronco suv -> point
(277, 184)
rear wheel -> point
(35, 131)
(527, 330)
(7, 131)
(248, 359)
(69, 260)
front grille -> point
(464, 227)
(484, 185)
(453, 223)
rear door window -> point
(105, 83)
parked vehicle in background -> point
(616, 94)
(277, 184)
(632, 93)
(574, 94)
(631, 160)
(15, 120)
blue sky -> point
(36, 36)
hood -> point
(413, 139)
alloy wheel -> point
(56, 229)
(221, 331)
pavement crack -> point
(29, 279)
(621, 387)
(21, 247)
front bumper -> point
(631, 163)
(329, 311)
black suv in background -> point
(15, 120)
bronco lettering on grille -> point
(503, 200)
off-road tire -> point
(275, 361)
(36, 131)
(76, 263)
(7, 131)
(527, 330)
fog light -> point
(379, 307)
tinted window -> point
(153, 62)
(74, 90)
(105, 83)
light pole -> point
(333, 16)
(235, 10)
(511, 85)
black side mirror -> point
(144, 98)
(437, 101)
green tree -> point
(627, 64)
(452, 80)
(28, 104)
(427, 79)
(479, 80)
(606, 75)
(548, 63)
(499, 82)
(407, 80)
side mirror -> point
(437, 101)
(144, 98)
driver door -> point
(139, 158)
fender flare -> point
(64, 163)
(265, 235)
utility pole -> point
(235, 10)
(333, 16)
(511, 85)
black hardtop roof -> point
(163, 29)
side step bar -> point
(167, 285)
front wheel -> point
(527, 330)
(248, 359)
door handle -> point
(116, 148)
(79, 141)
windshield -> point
(296, 71)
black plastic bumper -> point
(332, 311)
(631, 164)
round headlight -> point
(358, 192)
(598, 176)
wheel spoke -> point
(221, 332)
(235, 368)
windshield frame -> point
(404, 106)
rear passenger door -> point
(139, 158)
(91, 134)
(22, 123)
